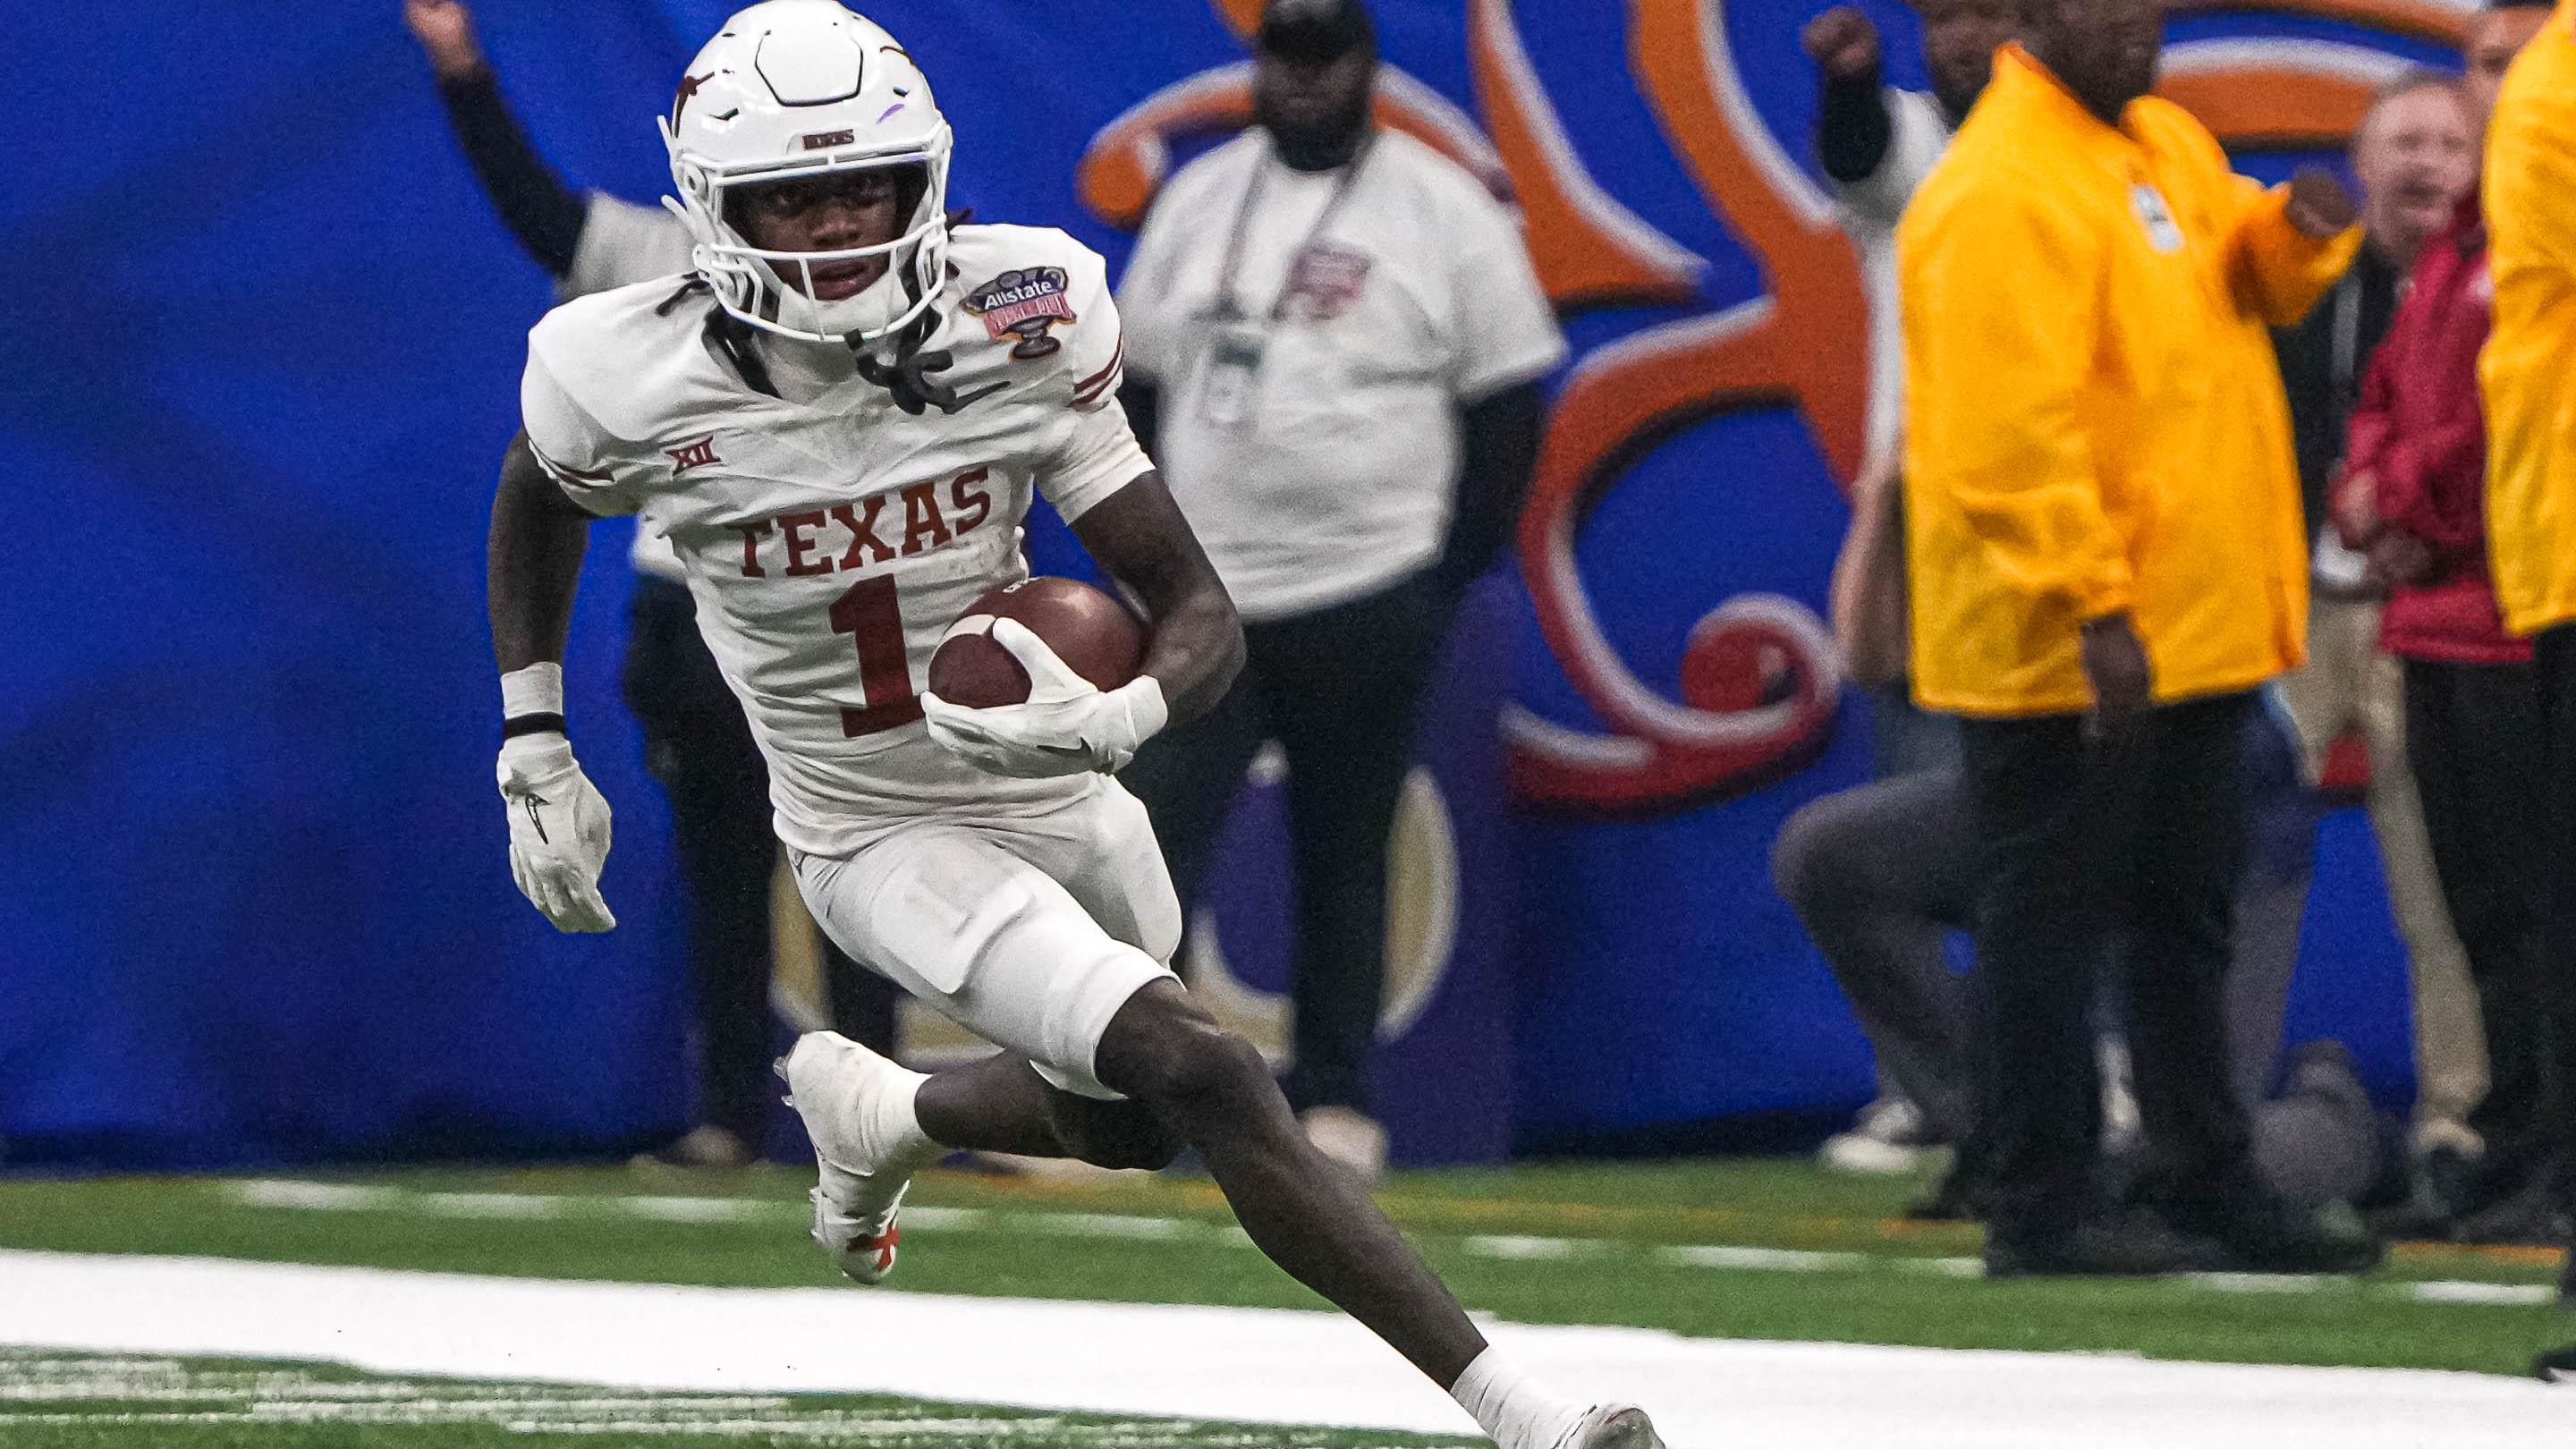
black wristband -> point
(532, 724)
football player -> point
(840, 416)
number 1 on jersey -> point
(869, 613)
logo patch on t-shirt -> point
(1024, 304)
(1325, 280)
(2162, 231)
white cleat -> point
(835, 1084)
(1611, 1426)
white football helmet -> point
(797, 88)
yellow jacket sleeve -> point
(2531, 193)
(2002, 313)
(2279, 272)
(2526, 368)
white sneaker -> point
(1885, 1140)
(1349, 1138)
(837, 1085)
(1611, 1426)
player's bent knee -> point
(1165, 1047)
(1794, 857)
(1811, 861)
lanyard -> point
(2344, 344)
(1229, 304)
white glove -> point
(558, 831)
(1067, 726)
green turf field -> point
(1745, 1248)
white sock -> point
(894, 1128)
(1514, 1409)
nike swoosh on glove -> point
(558, 832)
(1067, 726)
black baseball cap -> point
(1315, 30)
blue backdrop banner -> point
(264, 341)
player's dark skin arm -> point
(534, 562)
(1139, 536)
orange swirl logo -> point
(1759, 681)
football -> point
(1090, 631)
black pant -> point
(2123, 850)
(698, 745)
(2554, 657)
(1339, 689)
(2474, 741)
(1882, 873)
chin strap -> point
(907, 379)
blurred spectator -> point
(2413, 496)
(2105, 561)
(2415, 154)
(695, 739)
(2531, 494)
(1877, 143)
(1334, 346)
(1880, 874)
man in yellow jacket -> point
(2527, 374)
(2107, 553)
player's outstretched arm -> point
(1139, 536)
(559, 824)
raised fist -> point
(1842, 42)
(445, 30)
(2319, 206)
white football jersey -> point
(830, 542)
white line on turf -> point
(1519, 1248)
(1258, 1365)
(702, 1209)
(1768, 1260)
(1941, 1267)
(1106, 1225)
(1508, 1247)
(2505, 1294)
(2284, 1283)
(493, 1205)
(316, 1196)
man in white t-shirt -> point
(1334, 348)
(1877, 142)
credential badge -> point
(2162, 232)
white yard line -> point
(337, 1197)
(1259, 1365)
(2505, 1294)
(1514, 1247)
(1763, 1260)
